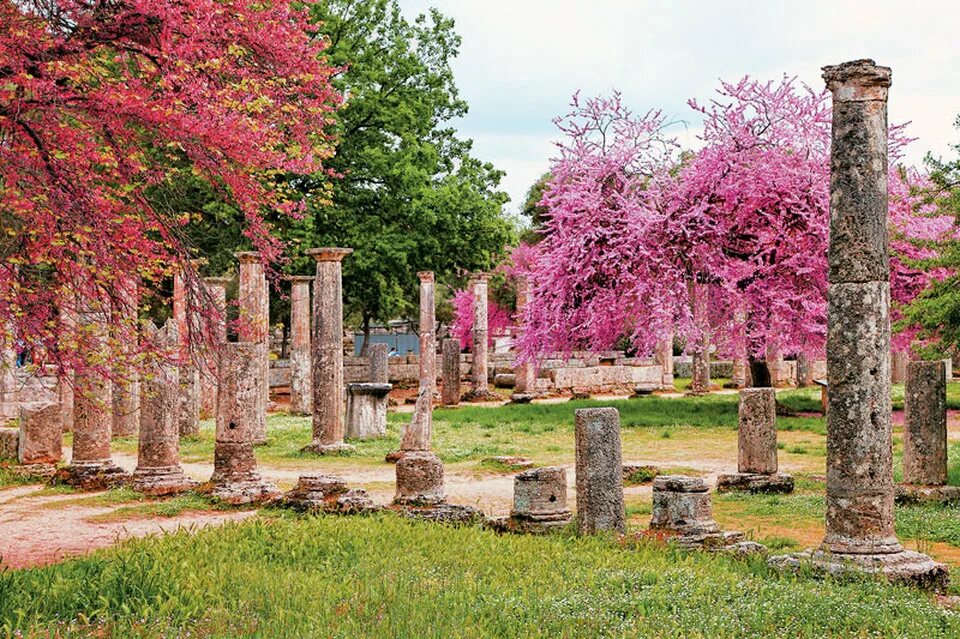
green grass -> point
(386, 577)
(164, 508)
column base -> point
(441, 513)
(707, 540)
(419, 479)
(522, 398)
(480, 395)
(531, 524)
(325, 493)
(158, 482)
(755, 483)
(917, 494)
(339, 448)
(91, 475)
(244, 492)
(906, 567)
(44, 472)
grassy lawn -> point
(386, 577)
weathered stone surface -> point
(634, 473)
(40, 440)
(301, 388)
(235, 479)
(541, 493)
(919, 494)
(367, 410)
(757, 431)
(898, 366)
(126, 391)
(755, 483)
(680, 484)
(9, 442)
(327, 360)
(209, 378)
(599, 474)
(427, 328)
(443, 513)
(188, 397)
(504, 380)
(419, 479)
(664, 358)
(522, 398)
(905, 567)
(478, 377)
(253, 299)
(419, 431)
(925, 424)
(682, 505)
(510, 461)
(699, 302)
(608, 377)
(326, 493)
(379, 364)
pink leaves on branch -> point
(103, 106)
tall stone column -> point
(925, 424)
(775, 364)
(479, 385)
(738, 374)
(9, 407)
(451, 372)
(209, 377)
(428, 337)
(235, 478)
(254, 303)
(757, 446)
(158, 454)
(188, 415)
(126, 390)
(328, 391)
(699, 306)
(804, 371)
(599, 471)
(664, 357)
(301, 389)
(91, 465)
(68, 321)
(860, 492)
(525, 372)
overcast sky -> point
(521, 60)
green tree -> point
(409, 196)
(533, 211)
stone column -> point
(379, 363)
(91, 466)
(428, 338)
(126, 390)
(254, 304)
(301, 389)
(158, 454)
(68, 321)
(40, 446)
(804, 371)
(235, 478)
(860, 491)
(898, 366)
(664, 357)
(209, 382)
(367, 410)
(525, 372)
(451, 372)
(328, 391)
(738, 374)
(925, 424)
(479, 389)
(699, 305)
(757, 446)
(539, 500)
(188, 415)
(8, 381)
(599, 471)
(775, 364)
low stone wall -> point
(26, 390)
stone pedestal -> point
(600, 505)
(479, 373)
(40, 441)
(327, 358)
(540, 500)
(235, 478)
(700, 352)
(209, 376)
(925, 430)
(757, 446)
(188, 418)
(419, 479)
(683, 514)
(301, 387)
(451, 372)
(367, 410)
(859, 505)
(325, 493)
(253, 298)
(158, 456)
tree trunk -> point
(365, 346)
(759, 373)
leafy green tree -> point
(408, 196)
(532, 209)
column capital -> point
(328, 253)
(425, 276)
(480, 277)
(857, 81)
(299, 279)
(247, 257)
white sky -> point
(521, 60)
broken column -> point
(774, 360)
(91, 465)
(126, 389)
(254, 303)
(188, 416)
(699, 306)
(40, 446)
(419, 470)
(158, 454)
(235, 478)
(757, 446)
(301, 390)
(860, 532)
(379, 363)
(599, 471)
(525, 372)
(479, 385)
(326, 493)
(925, 435)
(366, 416)
(451, 372)
(683, 514)
(327, 359)
(217, 290)
(664, 357)
(539, 501)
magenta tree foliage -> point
(499, 318)
(632, 226)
